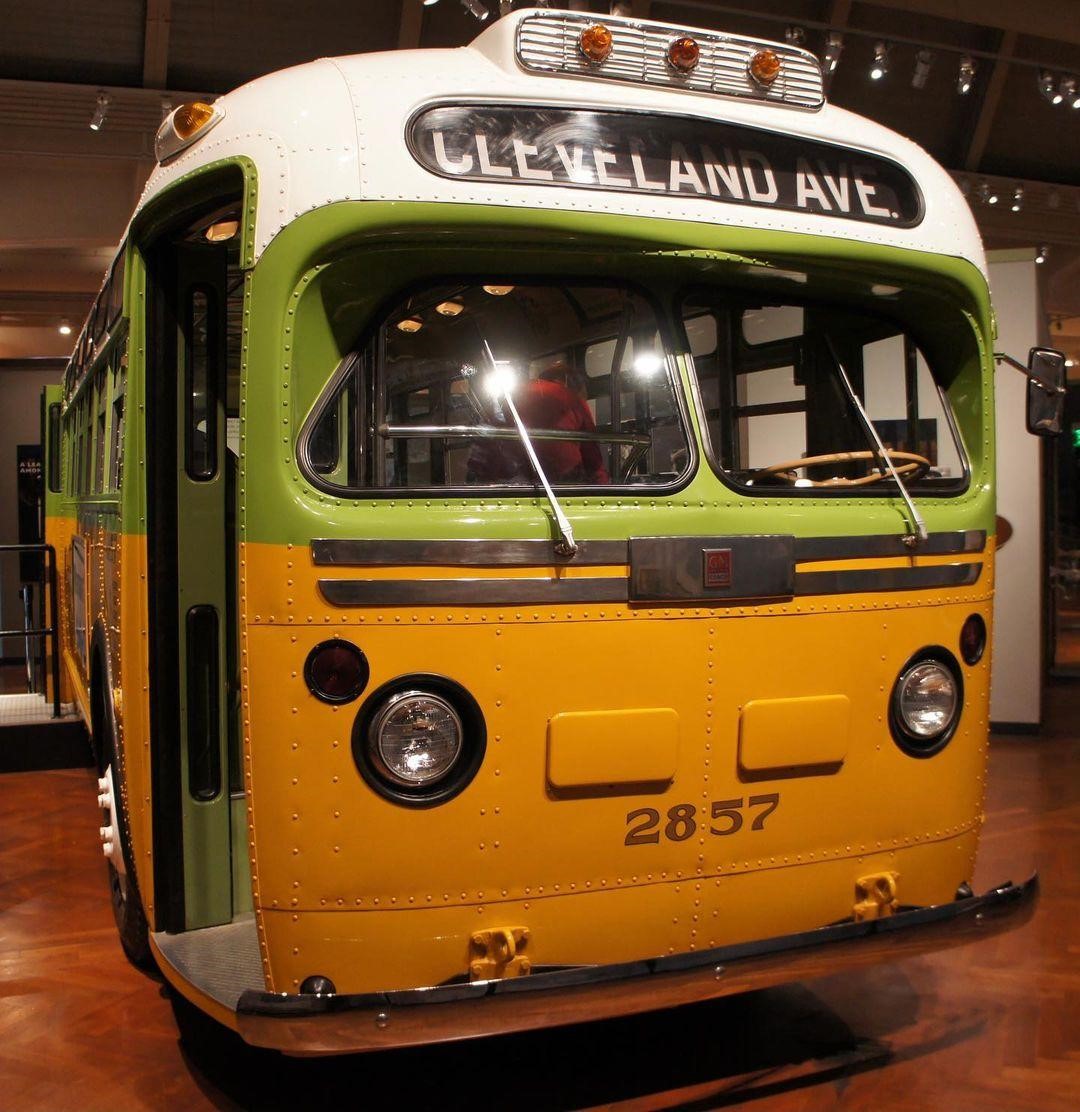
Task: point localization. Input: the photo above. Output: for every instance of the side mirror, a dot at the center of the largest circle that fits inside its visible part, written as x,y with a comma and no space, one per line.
1045,391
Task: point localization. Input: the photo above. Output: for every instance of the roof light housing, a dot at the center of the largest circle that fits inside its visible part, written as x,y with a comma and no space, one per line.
184,125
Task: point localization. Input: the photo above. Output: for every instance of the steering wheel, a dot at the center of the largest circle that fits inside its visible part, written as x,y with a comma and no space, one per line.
910,464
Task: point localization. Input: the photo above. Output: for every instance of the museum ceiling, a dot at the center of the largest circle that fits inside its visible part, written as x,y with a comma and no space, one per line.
67,190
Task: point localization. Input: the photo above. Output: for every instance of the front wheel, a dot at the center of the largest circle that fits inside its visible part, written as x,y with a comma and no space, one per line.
123,888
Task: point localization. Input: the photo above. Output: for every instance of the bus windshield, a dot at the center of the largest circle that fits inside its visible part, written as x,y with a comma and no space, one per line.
421,405
770,378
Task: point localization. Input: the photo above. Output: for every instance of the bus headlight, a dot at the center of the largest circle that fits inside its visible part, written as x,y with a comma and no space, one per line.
926,703
419,740
415,738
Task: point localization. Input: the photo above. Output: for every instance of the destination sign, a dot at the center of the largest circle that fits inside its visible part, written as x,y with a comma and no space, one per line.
662,155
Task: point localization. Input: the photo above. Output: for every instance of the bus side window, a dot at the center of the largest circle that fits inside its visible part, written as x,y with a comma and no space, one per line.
100,407
116,451
201,379
53,448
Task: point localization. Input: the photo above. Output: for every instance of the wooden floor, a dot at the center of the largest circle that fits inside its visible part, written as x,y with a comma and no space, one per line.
993,1026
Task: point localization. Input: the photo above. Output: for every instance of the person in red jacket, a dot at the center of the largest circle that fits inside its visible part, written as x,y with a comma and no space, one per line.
556,400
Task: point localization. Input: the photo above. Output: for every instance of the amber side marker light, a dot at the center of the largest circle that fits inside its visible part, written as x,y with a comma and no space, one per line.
764,67
595,43
683,54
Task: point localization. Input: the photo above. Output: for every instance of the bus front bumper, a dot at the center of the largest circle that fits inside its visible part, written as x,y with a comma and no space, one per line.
340,1024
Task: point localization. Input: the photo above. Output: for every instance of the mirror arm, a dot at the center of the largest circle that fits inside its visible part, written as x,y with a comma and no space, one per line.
1043,383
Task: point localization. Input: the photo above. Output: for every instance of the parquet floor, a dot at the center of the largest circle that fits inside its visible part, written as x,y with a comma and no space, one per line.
993,1026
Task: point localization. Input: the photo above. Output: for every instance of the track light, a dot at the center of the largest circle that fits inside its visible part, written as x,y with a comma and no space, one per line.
1018,198
476,9
65,327
97,120
1040,255
923,61
834,46
965,78
880,65
985,194
794,36
1048,87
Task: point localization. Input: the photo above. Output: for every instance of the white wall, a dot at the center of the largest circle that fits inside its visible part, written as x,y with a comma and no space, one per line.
1016,686
20,423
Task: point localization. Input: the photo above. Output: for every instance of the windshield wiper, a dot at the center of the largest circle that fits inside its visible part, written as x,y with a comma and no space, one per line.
566,545
920,534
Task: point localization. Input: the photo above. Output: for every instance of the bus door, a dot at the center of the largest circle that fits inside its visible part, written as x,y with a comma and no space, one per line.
193,396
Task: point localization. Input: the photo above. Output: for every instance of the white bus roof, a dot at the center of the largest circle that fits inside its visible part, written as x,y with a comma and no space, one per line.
334,130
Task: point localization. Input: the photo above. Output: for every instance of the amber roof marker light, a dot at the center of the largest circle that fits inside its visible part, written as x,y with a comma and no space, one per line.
595,43
184,125
683,54
764,67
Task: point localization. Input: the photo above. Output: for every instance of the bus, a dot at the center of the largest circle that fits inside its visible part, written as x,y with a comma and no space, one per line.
525,517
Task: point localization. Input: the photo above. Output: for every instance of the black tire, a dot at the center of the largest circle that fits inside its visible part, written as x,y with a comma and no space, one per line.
127,908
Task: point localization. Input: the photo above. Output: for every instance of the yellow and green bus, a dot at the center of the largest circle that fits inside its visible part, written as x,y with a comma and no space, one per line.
525,517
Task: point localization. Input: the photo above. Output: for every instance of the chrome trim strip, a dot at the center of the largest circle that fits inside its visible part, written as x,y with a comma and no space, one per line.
872,580
471,552
472,592
888,544
482,552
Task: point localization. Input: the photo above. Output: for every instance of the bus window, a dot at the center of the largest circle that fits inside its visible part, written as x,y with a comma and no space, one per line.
771,382
115,287
116,458
591,380
201,415
101,403
53,430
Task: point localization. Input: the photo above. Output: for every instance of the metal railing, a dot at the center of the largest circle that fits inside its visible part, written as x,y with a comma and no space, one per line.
51,630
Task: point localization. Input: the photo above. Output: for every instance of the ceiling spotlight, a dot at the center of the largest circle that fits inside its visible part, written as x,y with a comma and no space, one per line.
98,118
430,3
834,46
923,61
880,66
1066,91
476,9
65,327
965,77
985,194
1018,198
410,324
1040,255
1048,87
795,36
449,308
